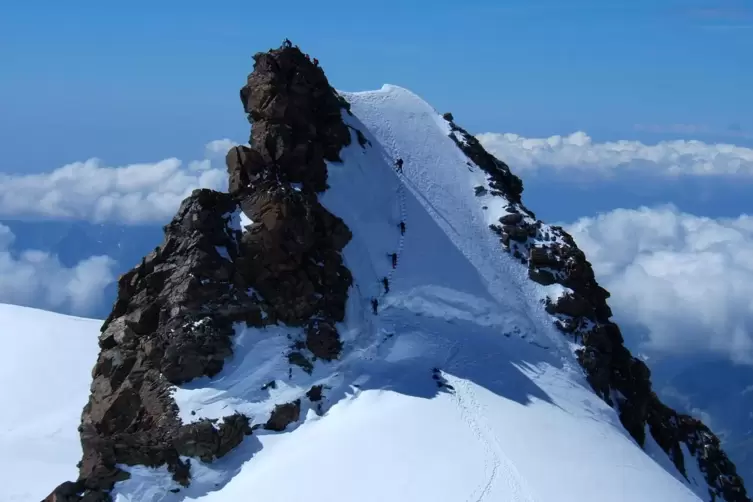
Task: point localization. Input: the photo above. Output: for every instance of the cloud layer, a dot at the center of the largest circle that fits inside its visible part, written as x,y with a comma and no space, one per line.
151,192
38,279
579,151
90,190
686,280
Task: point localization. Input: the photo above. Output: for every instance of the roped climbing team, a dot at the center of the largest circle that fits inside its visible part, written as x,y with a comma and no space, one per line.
392,256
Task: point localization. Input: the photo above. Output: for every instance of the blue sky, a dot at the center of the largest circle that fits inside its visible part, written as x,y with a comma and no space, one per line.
145,80
629,122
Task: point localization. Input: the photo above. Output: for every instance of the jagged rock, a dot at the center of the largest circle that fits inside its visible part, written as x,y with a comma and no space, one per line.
323,340
599,339
284,415
598,371
511,219
67,492
501,180
542,257
199,439
297,121
174,316
207,442
244,164
572,304
612,332
315,393
96,497
543,277
610,366
232,431
292,255
300,360
292,252
517,234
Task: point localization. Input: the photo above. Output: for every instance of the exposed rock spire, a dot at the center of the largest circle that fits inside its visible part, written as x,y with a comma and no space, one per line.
173,320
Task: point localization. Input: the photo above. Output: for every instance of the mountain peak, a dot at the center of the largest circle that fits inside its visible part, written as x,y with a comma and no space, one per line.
297,124
333,273
173,320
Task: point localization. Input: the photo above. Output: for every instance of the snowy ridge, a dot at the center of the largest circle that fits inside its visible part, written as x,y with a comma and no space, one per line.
458,389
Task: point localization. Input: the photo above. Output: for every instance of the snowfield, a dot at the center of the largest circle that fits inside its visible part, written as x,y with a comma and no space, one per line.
459,390
45,375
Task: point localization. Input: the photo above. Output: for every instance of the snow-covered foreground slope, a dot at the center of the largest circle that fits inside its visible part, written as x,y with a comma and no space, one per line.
459,389
45,377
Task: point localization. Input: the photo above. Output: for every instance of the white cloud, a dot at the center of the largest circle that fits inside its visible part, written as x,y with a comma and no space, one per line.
579,151
687,280
220,147
90,190
38,279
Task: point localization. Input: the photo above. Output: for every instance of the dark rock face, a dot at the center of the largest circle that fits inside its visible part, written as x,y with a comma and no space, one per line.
297,123
294,243
175,315
315,393
172,322
208,442
620,379
68,492
322,339
284,415
501,179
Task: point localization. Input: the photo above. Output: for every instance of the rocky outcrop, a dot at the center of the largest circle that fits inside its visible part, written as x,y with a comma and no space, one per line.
172,322
175,315
284,415
622,380
294,243
501,180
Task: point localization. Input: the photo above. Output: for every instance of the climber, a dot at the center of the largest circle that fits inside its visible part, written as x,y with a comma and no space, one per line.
287,43
402,228
316,62
386,283
374,305
307,57
394,260
399,165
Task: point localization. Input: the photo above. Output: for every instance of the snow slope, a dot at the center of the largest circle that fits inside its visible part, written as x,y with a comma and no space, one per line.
45,375
517,423
460,389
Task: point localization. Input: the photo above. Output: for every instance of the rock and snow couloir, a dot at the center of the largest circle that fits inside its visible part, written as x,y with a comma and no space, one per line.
242,359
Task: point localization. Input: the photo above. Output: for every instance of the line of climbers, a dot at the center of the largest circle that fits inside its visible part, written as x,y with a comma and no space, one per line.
392,256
